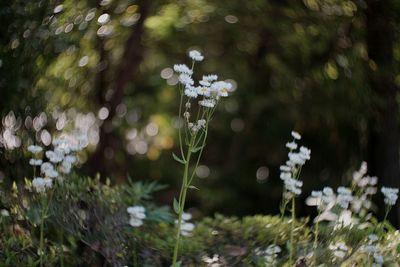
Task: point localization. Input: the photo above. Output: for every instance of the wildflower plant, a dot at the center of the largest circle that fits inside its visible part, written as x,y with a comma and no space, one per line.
290,175
391,195
60,161
198,102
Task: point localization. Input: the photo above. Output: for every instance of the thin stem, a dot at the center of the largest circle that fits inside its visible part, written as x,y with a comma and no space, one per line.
45,207
41,241
316,240
199,156
182,200
292,232
179,128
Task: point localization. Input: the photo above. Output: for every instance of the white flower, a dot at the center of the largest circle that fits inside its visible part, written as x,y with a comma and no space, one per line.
390,194
186,216
137,215
35,162
344,197
291,145
296,135
186,115
212,262
46,166
70,159
196,55
35,149
191,91
285,168
296,158
305,153
286,175
205,83
51,173
41,184
185,79
201,123
293,185
339,249
54,156
187,228
134,222
205,91
317,194
373,237
65,167
210,77
182,68
378,258
273,249
360,173
328,195
208,103
221,88
48,170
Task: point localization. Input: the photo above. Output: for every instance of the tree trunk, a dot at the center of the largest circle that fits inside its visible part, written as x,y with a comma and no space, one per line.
125,72
384,136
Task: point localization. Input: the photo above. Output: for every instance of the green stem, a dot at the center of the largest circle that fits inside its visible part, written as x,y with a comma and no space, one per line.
200,153
182,200
41,241
316,242
292,232
179,129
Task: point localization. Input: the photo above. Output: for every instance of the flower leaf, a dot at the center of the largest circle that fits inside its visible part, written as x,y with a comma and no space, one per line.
193,187
195,149
176,206
178,159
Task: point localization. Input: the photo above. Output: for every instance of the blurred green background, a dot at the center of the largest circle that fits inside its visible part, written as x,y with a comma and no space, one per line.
328,69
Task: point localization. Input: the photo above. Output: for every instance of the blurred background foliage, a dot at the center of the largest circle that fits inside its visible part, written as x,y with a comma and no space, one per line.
326,68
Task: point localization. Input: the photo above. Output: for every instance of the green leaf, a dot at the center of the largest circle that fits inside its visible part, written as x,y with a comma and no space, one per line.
178,159
176,206
193,187
195,149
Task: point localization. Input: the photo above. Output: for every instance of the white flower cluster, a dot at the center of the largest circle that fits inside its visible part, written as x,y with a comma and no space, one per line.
35,149
391,195
137,215
365,187
323,198
292,185
61,159
372,250
344,197
339,249
289,172
209,90
186,227
195,127
270,254
196,55
41,184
